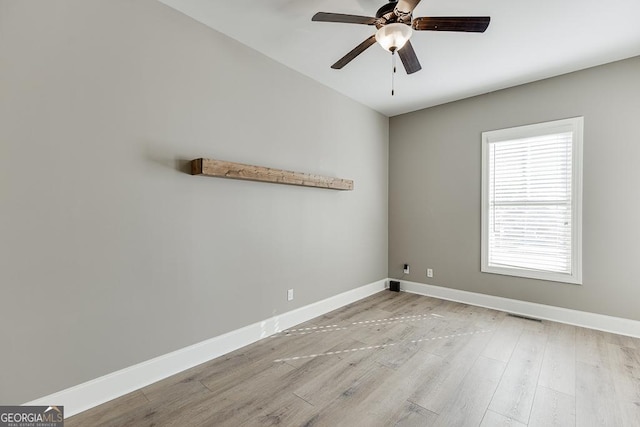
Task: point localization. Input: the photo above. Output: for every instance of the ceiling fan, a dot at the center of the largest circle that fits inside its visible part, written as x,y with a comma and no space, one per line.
394,22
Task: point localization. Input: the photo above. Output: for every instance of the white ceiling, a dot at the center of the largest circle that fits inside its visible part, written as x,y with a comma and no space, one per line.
526,41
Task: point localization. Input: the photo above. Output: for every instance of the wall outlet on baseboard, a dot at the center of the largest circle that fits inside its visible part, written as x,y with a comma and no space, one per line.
429,272
405,269
289,294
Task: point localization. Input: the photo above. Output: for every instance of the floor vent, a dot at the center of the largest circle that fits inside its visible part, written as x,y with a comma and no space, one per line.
524,317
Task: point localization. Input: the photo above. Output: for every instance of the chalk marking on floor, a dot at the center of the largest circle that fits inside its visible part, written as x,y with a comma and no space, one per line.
380,346
334,328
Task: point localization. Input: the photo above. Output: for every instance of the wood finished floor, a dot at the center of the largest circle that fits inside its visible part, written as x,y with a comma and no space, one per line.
401,360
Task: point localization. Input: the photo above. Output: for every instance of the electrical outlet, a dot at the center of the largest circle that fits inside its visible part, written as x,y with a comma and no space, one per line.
429,272
290,295
406,269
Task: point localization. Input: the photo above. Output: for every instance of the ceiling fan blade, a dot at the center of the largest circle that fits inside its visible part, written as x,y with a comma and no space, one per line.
472,24
341,17
355,52
404,9
409,58
406,6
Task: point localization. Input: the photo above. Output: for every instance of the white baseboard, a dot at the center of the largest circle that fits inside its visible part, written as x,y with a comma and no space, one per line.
584,319
108,387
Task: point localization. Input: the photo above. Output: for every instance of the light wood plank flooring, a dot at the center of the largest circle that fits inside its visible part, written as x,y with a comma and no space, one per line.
398,359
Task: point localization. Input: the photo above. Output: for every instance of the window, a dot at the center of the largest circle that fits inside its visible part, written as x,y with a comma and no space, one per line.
532,201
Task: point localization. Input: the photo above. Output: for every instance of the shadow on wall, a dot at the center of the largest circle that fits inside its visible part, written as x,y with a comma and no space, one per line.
165,157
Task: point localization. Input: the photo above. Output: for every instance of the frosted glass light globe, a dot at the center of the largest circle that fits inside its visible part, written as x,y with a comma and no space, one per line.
393,36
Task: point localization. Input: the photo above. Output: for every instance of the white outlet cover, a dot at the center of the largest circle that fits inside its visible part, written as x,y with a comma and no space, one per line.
289,294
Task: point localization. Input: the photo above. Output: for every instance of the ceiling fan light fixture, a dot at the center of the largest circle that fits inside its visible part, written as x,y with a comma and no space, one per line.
394,36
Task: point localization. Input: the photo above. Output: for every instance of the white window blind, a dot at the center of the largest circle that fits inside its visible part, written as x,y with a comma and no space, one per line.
531,201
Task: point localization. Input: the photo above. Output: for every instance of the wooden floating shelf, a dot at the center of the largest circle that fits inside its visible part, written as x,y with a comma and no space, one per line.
223,169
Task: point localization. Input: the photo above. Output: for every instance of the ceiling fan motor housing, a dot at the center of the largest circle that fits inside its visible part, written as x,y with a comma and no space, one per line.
386,9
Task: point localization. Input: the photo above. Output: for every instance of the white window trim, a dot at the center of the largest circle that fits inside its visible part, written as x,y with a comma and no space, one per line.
576,126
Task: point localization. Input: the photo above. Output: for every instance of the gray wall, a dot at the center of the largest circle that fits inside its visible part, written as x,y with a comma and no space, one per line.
110,254
434,188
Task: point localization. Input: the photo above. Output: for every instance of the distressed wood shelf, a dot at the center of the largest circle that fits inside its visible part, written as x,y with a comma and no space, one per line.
224,169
